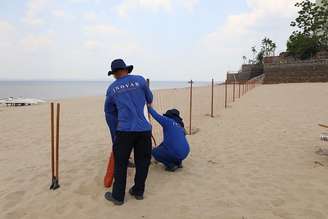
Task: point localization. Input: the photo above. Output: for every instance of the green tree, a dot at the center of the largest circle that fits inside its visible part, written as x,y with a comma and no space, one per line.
259,57
268,47
245,59
302,46
311,35
254,51
323,13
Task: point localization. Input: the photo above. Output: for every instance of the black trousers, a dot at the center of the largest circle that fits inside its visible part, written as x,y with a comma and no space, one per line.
140,142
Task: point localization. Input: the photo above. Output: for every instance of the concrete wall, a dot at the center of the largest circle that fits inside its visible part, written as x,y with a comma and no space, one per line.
312,71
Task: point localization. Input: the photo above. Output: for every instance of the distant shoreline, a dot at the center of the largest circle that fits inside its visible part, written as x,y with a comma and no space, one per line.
48,90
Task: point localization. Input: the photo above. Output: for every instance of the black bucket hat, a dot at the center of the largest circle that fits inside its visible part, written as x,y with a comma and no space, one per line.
175,115
119,64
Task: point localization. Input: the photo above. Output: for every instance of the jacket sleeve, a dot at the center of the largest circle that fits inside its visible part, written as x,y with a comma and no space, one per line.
159,118
111,116
148,93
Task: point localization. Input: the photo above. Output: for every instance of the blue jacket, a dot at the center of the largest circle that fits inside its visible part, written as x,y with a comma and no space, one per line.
125,102
174,135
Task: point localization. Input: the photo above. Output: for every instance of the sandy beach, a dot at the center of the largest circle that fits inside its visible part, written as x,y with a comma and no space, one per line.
254,160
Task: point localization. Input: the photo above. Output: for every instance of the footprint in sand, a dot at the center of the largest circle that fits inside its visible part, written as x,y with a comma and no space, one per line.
18,213
226,204
79,204
13,198
85,189
313,214
92,188
278,202
282,213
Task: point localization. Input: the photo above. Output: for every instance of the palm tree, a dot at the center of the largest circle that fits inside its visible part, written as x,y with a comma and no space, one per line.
245,59
268,47
254,52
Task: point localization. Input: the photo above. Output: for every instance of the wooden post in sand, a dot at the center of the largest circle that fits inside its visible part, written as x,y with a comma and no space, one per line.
190,107
54,146
239,89
243,88
52,129
149,117
212,99
234,91
226,94
57,140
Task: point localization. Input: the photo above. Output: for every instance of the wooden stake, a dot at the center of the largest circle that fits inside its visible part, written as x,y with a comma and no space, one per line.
243,88
57,139
212,99
54,146
234,91
148,82
323,126
52,128
226,94
239,89
190,107
149,117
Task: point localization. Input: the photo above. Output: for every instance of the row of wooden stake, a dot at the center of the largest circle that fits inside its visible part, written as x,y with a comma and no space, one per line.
243,88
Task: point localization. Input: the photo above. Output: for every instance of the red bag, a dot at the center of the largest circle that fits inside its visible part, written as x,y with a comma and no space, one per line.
108,179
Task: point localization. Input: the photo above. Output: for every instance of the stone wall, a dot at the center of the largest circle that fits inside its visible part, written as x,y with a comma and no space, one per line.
286,69
247,72
298,72
231,77
250,71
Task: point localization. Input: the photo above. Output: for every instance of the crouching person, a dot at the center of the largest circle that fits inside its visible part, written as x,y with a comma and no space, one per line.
174,148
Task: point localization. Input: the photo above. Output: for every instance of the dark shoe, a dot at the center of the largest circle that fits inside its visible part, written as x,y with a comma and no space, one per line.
171,169
138,197
179,164
109,197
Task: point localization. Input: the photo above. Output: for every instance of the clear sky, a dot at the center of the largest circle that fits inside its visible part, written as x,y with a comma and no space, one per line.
163,39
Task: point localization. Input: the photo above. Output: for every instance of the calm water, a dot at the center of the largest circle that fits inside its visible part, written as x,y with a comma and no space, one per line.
69,89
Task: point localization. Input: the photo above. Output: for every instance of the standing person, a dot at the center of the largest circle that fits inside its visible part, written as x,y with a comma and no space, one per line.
174,148
126,100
